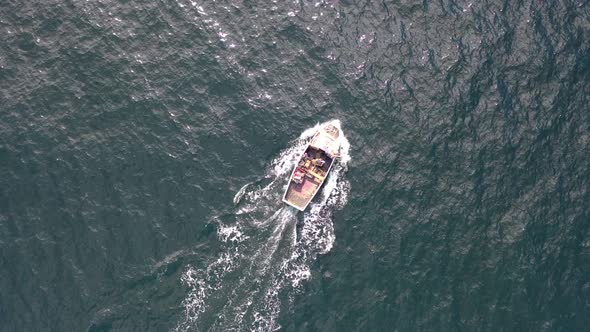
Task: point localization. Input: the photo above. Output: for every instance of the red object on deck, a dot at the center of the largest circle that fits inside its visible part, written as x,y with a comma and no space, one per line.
298,175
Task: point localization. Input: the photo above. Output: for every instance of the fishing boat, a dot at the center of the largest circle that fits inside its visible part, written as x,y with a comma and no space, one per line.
313,167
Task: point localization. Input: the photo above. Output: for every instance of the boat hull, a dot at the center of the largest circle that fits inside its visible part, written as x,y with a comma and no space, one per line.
312,169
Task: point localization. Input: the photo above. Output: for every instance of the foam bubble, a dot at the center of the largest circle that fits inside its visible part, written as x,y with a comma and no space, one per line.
241,193
230,233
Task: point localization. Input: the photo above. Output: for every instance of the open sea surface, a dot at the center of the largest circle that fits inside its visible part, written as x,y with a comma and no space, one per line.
145,147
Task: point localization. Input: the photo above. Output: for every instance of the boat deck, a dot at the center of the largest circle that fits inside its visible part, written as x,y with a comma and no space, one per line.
300,194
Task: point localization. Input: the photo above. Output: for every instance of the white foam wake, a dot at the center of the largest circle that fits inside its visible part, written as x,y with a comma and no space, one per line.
262,257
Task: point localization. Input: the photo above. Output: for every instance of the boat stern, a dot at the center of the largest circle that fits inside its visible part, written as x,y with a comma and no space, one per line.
293,205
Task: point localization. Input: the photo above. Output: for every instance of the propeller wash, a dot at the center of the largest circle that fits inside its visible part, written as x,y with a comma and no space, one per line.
265,255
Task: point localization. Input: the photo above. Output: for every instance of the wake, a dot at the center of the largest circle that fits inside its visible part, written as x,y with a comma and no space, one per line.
264,258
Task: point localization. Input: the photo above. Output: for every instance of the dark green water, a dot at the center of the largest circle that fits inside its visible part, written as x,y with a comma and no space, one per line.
145,145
